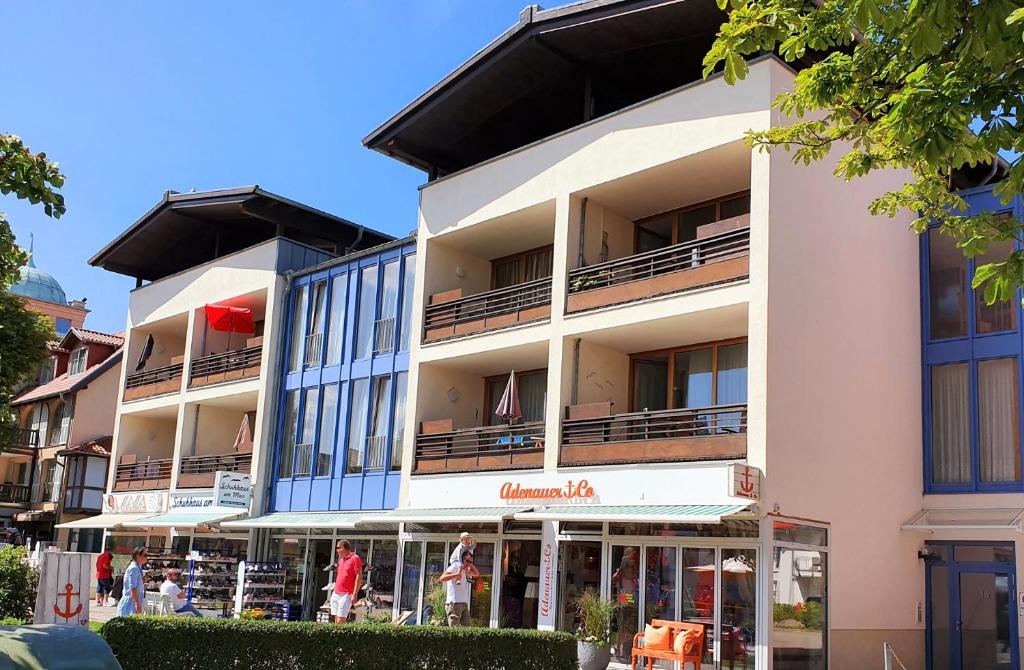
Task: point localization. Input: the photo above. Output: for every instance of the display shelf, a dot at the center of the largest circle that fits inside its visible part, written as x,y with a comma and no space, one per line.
257,582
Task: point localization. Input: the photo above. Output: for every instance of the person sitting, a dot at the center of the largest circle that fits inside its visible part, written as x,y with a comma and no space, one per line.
170,588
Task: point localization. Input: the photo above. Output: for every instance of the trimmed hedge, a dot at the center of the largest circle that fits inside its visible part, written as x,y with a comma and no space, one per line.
191,643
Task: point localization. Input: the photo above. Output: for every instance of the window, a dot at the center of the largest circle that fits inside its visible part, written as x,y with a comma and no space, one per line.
47,369
365,315
947,277
681,225
291,429
800,594
298,334
50,486
86,483
315,336
950,424
702,376
61,424
357,424
336,323
376,443
385,326
533,390
62,326
398,421
77,361
408,283
521,268
328,427
1001,315
998,420
304,449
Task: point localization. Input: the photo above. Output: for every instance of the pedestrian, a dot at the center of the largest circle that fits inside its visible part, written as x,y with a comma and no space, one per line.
348,580
458,588
104,576
133,596
170,588
466,543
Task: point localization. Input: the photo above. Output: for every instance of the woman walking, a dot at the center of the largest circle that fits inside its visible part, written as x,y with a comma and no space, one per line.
133,596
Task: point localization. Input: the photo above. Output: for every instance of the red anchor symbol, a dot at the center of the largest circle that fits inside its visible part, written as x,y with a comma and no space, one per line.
747,484
67,613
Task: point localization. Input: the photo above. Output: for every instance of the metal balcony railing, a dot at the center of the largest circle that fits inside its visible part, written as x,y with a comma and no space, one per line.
376,452
488,305
657,425
314,346
384,337
684,256
229,361
154,469
199,465
166,373
472,448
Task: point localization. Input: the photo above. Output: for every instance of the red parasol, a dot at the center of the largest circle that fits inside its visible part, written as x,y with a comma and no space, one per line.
226,318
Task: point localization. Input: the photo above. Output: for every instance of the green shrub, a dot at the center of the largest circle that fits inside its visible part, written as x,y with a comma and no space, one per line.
17,584
13,621
782,612
810,615
190,643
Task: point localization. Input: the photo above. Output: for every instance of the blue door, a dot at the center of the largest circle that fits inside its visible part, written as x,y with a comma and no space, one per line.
972,613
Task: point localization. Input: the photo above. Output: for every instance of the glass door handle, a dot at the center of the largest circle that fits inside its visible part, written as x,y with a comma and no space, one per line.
958,625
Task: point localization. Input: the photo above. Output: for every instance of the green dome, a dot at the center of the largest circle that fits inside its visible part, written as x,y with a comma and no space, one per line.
34,283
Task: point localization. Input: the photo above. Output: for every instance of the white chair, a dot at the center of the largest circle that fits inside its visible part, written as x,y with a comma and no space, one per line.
159,605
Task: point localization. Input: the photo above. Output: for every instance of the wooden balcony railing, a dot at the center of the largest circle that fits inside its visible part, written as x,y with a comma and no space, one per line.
18,440
14,493
225,367
198,471
686,434
152,474
487,448
488,311
158,381
680,267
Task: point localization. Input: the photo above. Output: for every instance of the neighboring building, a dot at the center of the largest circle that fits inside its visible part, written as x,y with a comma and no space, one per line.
59,465
340,419
202,340
43,294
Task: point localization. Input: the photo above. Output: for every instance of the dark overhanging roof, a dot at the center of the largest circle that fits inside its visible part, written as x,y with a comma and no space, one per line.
185,230
551,71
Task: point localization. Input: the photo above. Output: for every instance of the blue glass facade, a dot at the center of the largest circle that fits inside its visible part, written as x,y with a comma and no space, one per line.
972,374
345,376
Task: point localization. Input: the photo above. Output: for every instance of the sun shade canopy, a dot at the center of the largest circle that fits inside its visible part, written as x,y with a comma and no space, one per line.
107,521
453,514
187,519
934,520
344,520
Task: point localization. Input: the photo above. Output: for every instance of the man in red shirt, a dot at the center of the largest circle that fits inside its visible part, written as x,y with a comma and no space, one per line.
348,581
104,575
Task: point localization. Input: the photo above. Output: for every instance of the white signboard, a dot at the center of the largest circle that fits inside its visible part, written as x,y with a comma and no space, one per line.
63,595
547,586
191,501
134,503
232,490
744,481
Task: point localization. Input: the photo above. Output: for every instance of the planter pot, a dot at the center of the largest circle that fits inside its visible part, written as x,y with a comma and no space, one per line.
593,656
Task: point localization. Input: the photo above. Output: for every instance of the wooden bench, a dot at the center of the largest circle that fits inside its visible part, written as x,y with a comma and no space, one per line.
692,651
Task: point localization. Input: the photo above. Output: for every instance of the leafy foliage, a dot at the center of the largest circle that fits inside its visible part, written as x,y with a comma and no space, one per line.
18,584
190,643
900,86
595,616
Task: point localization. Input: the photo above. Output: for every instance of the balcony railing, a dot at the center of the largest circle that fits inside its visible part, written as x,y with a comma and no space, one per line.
314,345
384,338
684,434
376,452
166,379
487,448
14,493
303,459
704,262
19,439
152,474
228,366
198,471
488,311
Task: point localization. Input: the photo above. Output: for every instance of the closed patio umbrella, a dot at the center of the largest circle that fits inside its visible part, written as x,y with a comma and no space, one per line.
243,442
508,407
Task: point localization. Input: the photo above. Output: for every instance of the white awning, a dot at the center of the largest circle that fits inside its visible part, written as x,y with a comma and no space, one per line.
452,514
187,519
343,520
634,513
106,521
933,520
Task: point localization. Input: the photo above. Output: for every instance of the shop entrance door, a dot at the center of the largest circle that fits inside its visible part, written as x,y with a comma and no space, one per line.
319,557
579,569
972,613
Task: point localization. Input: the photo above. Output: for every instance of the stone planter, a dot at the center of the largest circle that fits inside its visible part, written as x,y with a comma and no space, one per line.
593,656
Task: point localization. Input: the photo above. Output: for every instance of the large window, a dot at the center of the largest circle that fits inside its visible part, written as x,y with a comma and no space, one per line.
701,376
377,442
357,424
521,268
683,225
336,322
304,448
77,361
800,595
384,338
328,427
86,482
366,311
408,282
398,421
298,335
291,429
61,424
317,315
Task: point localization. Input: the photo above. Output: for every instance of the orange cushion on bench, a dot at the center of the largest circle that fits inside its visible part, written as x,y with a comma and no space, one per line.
656,638
682,637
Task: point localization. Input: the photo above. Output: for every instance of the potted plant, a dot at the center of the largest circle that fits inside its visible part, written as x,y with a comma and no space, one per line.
594,633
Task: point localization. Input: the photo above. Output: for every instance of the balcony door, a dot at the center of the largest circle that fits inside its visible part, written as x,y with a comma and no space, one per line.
521,268
532,387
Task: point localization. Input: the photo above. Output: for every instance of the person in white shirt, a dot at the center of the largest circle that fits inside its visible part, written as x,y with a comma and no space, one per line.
459,589
170,588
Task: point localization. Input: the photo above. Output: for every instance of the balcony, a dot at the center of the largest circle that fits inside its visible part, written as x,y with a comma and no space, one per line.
14,493
226,367
20,440
714,259
158,381
132,474
198,471
593,436
450,315
439,448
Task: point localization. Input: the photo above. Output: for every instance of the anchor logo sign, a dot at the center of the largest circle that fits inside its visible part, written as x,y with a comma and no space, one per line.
67,613
746,482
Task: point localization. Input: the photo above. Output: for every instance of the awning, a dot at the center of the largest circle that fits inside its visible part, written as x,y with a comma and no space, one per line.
105,521
345,520
628,513
453,514
932,520
187,519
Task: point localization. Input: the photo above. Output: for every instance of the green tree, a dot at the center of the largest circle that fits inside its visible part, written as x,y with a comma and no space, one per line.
899,84
23,333
18,584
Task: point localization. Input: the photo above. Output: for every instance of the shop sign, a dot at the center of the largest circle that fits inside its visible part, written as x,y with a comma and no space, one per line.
134,503
744,481
572,492
190,501
548,582
232,490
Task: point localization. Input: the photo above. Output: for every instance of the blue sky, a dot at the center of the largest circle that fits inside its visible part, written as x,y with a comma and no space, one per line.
133,98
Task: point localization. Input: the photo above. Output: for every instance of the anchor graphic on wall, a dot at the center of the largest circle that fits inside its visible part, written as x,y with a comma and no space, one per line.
747,485
68,592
